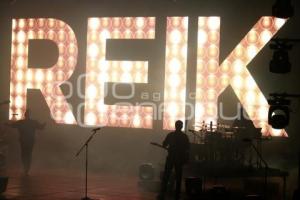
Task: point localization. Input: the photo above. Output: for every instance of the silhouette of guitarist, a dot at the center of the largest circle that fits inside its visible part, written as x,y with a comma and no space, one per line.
177,144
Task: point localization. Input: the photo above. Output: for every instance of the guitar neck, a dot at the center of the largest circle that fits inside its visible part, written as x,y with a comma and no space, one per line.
158,145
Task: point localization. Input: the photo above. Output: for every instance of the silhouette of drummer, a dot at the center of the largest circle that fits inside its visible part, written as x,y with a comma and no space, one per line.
27,128
178,147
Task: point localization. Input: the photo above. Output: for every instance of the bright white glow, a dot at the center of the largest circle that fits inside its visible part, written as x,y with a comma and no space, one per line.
91,91
106,34
49,76
238,66
19,88
265,36
20,62
94,23
21,36
126,66
68,118
176,36
91,119
250,83
279,22
39,76
19,102
276,132
140,22
213,23
137,121
200,111
202,37
126,78
175,65
29,75
252,51
19,75
174,80
250,97
172,109
237,81
263,113
93,50
20,50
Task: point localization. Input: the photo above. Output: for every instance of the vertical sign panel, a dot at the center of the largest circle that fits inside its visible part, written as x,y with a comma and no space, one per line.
175,71
46,80
212,80
100,71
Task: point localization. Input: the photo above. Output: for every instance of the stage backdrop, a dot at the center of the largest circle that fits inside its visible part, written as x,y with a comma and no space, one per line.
135,67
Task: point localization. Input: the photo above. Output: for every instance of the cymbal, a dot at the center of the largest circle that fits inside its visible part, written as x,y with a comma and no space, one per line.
238,127
214,125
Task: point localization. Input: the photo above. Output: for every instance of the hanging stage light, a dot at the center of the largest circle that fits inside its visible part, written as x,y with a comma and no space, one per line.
283,9
279,113
280,63
278,116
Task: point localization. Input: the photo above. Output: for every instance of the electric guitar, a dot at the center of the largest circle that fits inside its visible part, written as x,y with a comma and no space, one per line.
186,156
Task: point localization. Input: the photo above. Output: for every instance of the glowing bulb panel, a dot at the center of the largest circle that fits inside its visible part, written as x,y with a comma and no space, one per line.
175,71
100,71
212,80
45,80
207,69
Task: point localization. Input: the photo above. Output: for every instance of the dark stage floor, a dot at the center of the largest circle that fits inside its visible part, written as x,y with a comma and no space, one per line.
68,185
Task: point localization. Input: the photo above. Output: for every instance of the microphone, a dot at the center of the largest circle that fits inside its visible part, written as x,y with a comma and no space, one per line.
96,129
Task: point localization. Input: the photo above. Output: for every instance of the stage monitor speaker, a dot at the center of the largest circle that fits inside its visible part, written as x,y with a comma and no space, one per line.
146,171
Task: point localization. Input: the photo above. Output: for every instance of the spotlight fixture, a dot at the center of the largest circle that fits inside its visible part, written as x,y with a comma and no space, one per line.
279,113
280,63
283,9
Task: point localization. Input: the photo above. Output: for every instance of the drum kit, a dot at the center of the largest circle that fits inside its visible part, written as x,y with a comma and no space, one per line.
204,132
222,142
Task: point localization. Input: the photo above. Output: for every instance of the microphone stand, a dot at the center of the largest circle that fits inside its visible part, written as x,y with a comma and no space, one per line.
86,147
